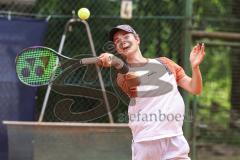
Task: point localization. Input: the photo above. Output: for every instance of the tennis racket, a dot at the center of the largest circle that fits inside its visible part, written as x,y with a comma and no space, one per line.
39,65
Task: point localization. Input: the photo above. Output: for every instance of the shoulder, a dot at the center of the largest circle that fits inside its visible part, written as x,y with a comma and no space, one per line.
176,69
167,61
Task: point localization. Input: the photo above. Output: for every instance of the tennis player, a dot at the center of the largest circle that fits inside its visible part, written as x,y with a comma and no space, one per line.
156,109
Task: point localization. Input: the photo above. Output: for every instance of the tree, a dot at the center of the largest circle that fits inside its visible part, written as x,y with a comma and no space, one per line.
235,88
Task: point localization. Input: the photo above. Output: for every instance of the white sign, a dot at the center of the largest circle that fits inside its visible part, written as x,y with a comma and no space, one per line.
126,9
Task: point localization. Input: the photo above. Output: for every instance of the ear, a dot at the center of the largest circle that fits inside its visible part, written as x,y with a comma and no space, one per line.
137,38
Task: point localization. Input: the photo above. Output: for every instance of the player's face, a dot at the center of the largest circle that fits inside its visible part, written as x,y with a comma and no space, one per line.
126,43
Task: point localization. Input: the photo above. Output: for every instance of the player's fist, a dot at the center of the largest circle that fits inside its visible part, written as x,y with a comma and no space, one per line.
109,60
128,83
105,59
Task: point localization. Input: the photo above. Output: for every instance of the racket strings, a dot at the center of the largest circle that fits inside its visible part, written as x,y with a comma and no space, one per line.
37,66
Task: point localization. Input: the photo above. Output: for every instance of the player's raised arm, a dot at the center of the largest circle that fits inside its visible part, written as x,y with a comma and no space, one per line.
194,84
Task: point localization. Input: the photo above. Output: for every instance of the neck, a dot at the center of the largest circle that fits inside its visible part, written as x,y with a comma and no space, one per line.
136,58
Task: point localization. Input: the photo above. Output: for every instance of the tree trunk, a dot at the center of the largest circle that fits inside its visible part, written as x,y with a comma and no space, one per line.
235,89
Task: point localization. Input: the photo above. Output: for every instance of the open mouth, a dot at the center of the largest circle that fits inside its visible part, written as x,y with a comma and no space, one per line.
126,46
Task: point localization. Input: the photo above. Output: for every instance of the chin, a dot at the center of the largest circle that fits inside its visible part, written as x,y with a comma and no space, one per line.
128,53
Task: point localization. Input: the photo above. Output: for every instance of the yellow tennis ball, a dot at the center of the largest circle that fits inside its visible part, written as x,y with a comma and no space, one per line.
83,13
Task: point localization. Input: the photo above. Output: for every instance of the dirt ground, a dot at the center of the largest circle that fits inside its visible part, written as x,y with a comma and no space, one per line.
218,152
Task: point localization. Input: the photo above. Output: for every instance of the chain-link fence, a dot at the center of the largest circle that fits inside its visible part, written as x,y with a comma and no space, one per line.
215,125
160,25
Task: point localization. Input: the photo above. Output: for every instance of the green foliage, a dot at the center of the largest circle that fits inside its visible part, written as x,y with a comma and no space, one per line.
216,88
216,77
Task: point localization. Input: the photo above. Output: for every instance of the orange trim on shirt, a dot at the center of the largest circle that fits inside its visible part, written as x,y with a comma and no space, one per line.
177,70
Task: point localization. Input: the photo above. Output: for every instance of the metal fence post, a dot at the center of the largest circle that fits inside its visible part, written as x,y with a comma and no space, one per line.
187,48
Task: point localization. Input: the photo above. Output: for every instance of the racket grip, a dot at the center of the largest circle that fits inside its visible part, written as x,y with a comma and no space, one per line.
91,60
120,65
124,69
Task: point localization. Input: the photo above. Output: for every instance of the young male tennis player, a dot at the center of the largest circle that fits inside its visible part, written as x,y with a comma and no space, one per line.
156,109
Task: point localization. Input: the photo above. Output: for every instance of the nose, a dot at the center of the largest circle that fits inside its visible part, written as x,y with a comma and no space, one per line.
123,44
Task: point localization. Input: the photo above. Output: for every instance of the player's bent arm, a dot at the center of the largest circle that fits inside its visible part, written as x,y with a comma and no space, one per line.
192,84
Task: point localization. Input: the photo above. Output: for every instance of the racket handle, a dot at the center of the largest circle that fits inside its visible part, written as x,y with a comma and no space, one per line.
91,60
122,67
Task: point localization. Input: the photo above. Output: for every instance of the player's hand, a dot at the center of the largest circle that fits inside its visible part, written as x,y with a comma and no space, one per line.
105,59
197,55
128,83
109,60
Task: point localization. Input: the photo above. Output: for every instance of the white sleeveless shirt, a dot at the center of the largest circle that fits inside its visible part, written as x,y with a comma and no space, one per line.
158,110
